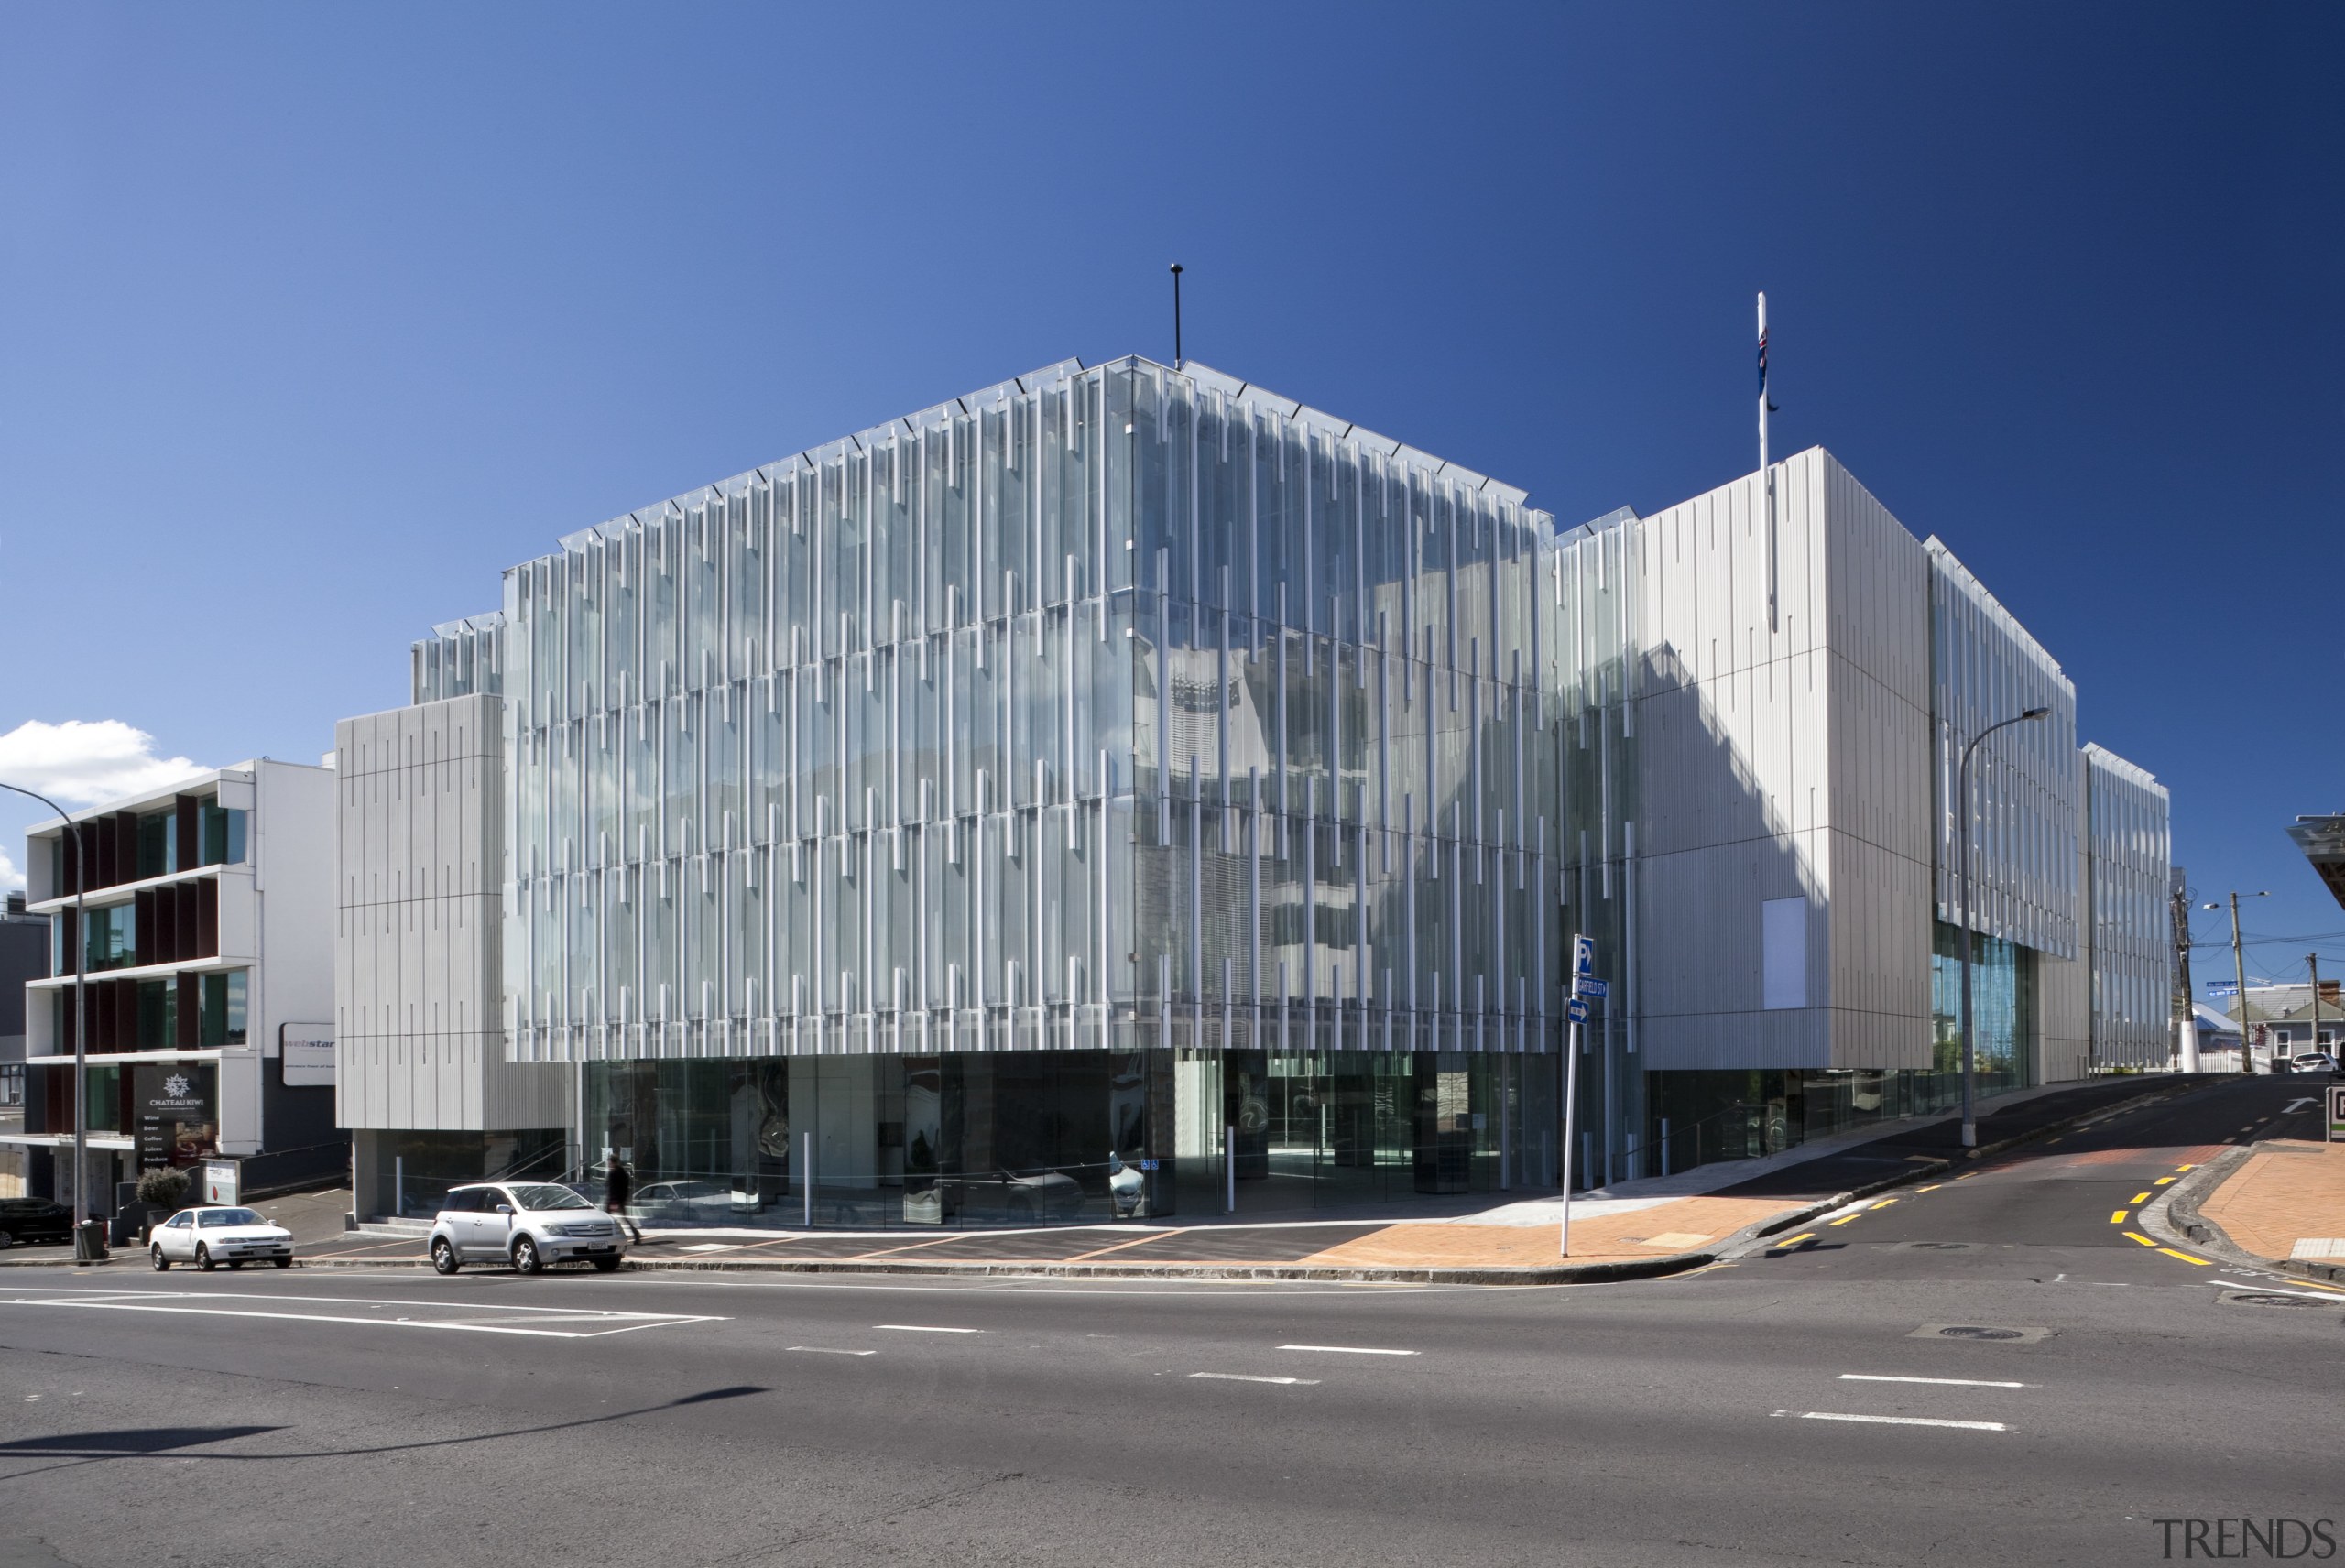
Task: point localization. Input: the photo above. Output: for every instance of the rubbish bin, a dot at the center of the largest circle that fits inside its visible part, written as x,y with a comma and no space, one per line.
89,1242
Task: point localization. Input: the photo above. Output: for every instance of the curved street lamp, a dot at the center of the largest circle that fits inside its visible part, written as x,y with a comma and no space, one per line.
84,1251
1962,773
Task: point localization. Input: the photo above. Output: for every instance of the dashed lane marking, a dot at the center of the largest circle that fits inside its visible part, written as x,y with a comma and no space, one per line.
1949,1382
1900,1421
2163,1182
828,1350
2137,1236
1347,1350
1252,1378
2118,1217
503,1318
2202,1262
925,1328
2141,1197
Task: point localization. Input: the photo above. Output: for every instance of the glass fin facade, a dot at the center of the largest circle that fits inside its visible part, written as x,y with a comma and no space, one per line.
1111,708
1126,774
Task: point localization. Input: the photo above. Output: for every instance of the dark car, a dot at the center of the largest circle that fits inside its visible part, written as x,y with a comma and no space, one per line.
1018,1197
27,1220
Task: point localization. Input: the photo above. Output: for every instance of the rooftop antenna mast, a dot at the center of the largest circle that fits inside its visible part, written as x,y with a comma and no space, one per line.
1766,474
1176,315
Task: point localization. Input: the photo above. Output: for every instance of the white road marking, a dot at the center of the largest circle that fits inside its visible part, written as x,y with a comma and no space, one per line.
2295,1105
826,1350
1904,1421
168,1301
1950,1382
1250,1378
1347,1350
925,1328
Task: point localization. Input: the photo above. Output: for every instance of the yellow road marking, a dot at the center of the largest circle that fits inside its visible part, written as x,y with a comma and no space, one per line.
1844,1219
2182,1168
2162,1181
1931,1188
2137,1236
1885,1202
1794,1241
2118,1217
2141,1197
2202,1262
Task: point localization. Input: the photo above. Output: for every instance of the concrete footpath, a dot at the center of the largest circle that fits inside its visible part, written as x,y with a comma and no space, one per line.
1631,1231
2277,1203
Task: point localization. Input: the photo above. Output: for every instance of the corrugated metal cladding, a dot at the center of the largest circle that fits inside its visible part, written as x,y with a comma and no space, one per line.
418,1040
1807,756
2025,781
2126,830
1107,707
1785,761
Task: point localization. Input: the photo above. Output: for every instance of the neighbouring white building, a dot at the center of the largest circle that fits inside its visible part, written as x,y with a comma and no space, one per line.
208,938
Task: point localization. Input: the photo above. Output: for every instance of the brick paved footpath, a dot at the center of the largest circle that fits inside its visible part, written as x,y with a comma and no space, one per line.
2288,1190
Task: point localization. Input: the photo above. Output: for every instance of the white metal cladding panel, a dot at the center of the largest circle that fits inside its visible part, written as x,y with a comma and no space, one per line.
1735,738
1879,958
2127,855
2062,987
1878,605
2026,781
420,923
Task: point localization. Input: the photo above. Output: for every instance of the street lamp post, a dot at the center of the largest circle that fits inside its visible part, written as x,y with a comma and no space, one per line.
83,1249
2239,973
1962,775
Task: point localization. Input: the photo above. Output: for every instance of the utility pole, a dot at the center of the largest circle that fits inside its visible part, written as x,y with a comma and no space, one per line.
2186,999
2239,969
87,1244
2313,959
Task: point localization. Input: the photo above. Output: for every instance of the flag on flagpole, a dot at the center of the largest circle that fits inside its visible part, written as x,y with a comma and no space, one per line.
1762,360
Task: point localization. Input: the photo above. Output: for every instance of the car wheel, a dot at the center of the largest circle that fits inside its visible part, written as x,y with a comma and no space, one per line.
202,1256
155,1255
443,1257
525,1260
282,1262
7,1240
604,1265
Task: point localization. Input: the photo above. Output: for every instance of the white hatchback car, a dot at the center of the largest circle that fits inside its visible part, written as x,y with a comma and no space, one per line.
525,1224
212,1235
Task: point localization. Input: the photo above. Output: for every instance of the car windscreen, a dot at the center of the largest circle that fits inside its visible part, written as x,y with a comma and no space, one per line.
549,1197
214,1219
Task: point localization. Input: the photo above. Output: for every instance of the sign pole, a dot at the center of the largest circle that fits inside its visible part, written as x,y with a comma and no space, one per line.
1564,1168
1584,985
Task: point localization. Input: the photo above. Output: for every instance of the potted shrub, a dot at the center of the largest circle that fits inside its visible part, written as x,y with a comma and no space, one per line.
162,1193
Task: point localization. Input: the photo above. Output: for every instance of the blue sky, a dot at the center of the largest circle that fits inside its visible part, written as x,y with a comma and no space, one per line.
313,319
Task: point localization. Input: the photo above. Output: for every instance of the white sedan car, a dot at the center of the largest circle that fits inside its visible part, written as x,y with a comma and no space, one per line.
209,1237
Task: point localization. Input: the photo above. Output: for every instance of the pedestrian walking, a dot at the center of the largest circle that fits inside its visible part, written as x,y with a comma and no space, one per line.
618,1185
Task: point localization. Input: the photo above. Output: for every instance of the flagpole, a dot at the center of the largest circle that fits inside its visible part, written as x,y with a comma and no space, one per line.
1766,474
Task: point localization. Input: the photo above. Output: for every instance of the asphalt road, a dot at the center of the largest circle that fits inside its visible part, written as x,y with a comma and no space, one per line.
397,1418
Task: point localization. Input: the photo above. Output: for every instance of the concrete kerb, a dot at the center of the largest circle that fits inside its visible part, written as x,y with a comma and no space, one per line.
2172,1218
1609,1272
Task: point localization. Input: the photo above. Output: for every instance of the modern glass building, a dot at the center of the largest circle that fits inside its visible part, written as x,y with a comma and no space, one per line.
1124,791
1118,768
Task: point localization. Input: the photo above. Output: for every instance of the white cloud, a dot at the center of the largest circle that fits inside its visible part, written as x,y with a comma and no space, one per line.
87,762
11,879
